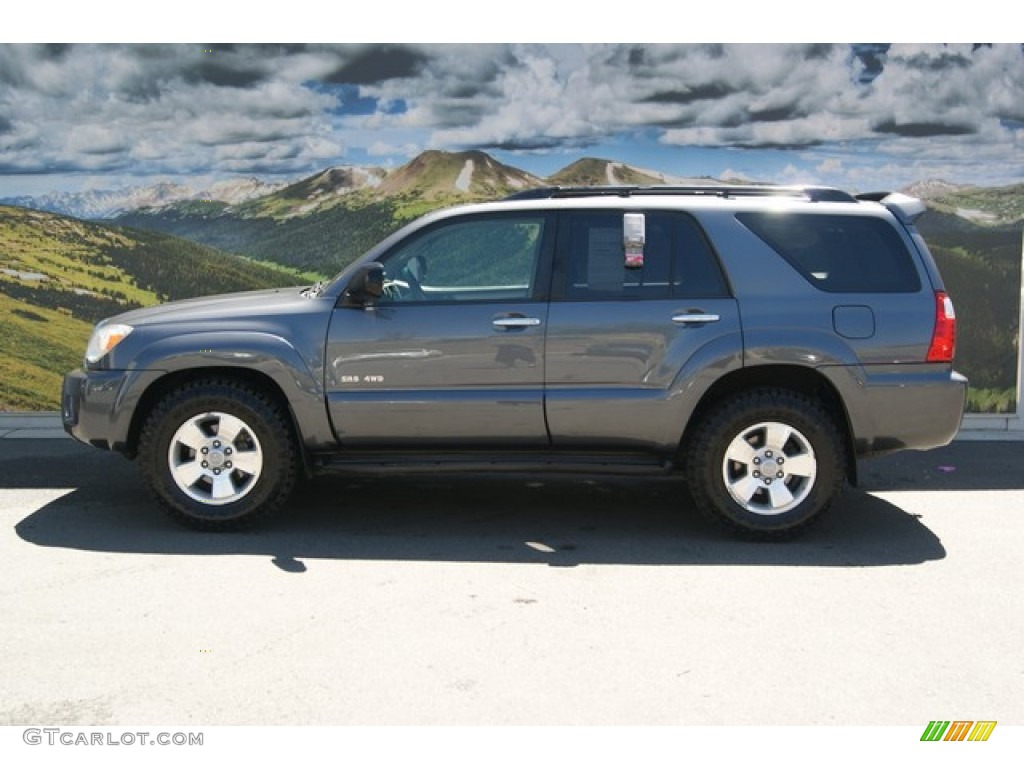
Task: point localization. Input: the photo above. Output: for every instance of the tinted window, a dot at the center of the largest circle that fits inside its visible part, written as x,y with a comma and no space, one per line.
477,259
678,263
840,254
696,271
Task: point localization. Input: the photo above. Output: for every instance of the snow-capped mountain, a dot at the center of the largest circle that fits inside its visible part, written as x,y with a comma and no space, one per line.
108,203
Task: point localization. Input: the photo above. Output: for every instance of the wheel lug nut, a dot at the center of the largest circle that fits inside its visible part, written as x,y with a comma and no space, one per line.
767,481
206,464
227,451
756,473
780,460
204,451
228,465
768,454
780,475
757,460
216,443
216,471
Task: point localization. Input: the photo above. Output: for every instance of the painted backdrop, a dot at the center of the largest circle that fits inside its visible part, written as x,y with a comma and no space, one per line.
136,174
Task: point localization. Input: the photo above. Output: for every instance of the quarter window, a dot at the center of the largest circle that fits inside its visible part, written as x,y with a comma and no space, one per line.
839,254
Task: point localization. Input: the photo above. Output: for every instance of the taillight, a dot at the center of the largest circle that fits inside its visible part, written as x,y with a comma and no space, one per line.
944,336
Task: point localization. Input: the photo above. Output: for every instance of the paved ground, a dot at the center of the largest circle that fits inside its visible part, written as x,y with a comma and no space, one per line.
511,600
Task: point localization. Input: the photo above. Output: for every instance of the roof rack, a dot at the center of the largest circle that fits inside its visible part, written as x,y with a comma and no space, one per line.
814,194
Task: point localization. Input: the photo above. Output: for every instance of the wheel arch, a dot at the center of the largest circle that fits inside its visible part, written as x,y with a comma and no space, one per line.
799,379
167,383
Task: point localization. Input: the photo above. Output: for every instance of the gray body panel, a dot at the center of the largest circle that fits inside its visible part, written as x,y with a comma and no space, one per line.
277,334
437,375
628,375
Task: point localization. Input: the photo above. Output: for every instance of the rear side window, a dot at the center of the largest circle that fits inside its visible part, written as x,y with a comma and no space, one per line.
678,263
839,254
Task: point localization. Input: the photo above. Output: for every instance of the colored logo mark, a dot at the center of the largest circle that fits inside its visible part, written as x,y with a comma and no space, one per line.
958,730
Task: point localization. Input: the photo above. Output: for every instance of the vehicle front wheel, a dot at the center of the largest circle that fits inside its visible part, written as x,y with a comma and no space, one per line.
218,454
766,463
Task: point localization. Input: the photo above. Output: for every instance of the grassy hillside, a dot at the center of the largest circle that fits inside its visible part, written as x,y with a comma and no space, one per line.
37,345
318,244
59,276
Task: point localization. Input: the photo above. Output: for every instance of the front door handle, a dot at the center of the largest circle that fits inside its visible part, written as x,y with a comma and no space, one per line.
696,317
510,323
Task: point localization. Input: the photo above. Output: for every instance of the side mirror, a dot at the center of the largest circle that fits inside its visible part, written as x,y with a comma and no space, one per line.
365,287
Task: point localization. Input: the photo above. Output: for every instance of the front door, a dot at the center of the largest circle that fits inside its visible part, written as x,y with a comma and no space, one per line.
453,353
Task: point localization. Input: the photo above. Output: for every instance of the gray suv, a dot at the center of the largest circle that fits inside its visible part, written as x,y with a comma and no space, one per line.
757,339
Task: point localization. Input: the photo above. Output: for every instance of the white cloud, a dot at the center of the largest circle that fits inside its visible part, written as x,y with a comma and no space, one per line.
175,109
383,149
830,165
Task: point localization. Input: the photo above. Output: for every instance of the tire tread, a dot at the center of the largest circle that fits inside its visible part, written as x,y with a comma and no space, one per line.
702,465
153,464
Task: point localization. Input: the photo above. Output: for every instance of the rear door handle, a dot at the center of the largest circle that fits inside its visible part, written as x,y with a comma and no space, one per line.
510,323
697,317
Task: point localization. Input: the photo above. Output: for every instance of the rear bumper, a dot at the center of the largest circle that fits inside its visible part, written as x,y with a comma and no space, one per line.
894,408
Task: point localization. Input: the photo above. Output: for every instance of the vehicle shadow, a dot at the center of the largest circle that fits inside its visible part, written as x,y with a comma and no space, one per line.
960,466
553,520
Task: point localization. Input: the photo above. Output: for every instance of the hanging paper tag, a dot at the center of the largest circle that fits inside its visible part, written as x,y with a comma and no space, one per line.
633,239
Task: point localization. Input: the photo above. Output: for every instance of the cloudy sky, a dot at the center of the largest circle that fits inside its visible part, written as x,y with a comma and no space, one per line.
102,116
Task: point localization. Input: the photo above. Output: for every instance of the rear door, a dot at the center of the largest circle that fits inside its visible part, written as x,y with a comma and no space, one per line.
623,342
453,353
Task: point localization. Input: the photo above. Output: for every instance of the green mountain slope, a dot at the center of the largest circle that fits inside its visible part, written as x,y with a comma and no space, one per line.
319,243
58,276
316,193
448,177
327,220
593,171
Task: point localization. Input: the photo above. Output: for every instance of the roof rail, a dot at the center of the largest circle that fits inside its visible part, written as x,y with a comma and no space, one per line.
814,194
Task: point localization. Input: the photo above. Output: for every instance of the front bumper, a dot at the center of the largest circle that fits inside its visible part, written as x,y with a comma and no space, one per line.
90,408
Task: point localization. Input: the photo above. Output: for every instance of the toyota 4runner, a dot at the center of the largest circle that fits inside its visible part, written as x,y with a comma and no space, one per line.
757,339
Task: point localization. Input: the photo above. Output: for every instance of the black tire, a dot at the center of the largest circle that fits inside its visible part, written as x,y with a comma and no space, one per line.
763,429
212,481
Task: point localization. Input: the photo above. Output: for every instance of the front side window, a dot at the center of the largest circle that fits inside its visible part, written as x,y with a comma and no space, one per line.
474,259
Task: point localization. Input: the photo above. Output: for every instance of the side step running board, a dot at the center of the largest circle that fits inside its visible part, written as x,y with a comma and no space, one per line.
383,462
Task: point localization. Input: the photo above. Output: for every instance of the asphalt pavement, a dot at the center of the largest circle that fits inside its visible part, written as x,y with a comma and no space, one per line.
511,600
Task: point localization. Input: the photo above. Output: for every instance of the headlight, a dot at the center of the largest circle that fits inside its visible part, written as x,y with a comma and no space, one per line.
104,338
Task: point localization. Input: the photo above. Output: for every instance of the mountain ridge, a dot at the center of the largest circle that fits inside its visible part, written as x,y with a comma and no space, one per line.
437,177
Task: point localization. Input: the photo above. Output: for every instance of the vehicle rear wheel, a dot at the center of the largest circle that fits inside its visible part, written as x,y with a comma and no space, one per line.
218,454
766,463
